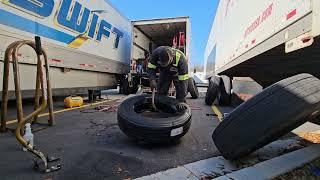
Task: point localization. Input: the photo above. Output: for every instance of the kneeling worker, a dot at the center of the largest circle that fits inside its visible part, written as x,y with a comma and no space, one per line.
173,66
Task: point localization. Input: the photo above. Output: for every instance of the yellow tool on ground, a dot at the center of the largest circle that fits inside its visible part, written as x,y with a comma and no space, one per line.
73,101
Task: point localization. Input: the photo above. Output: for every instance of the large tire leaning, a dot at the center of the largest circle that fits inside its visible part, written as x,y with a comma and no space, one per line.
193,89
269,115
225,91
212,91
152,130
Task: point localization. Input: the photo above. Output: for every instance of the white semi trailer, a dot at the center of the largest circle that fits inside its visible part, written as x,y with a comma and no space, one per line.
257,43
149,34
90,45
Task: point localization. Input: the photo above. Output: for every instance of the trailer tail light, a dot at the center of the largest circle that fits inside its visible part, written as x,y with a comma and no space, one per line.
306,39
300,42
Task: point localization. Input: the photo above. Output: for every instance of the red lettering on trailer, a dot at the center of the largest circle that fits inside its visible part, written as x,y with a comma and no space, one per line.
259,20
56,60
87,65
291,14
253,41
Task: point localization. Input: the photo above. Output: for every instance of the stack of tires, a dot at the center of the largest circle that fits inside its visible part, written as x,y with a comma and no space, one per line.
192,88
219,89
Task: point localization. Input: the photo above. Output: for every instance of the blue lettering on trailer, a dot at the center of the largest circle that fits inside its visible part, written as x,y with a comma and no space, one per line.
42,8
93,26
70,15
119,35
104,30
72,22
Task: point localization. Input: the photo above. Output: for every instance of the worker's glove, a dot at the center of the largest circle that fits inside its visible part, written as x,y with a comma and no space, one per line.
153,85
182,106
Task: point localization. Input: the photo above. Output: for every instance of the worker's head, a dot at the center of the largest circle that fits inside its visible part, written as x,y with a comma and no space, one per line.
165,56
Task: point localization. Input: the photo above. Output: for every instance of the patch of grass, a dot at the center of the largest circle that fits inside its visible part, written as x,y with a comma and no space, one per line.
302,173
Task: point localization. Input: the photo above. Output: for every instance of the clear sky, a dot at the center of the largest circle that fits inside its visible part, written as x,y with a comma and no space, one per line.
201,14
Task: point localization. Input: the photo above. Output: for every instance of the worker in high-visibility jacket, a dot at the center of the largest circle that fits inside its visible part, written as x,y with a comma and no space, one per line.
173,66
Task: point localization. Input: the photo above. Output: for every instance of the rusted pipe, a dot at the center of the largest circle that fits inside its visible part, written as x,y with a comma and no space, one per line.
5,87
42,82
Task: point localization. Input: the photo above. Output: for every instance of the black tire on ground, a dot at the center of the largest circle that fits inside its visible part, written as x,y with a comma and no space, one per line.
212,91
126,89
192,88
225,91
153,130
269,115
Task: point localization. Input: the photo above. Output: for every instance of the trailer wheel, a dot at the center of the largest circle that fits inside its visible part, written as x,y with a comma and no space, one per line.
136,125
126,89
212,91
192,88
269,115
224,97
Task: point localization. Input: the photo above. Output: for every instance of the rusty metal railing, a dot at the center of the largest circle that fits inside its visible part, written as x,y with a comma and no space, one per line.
43,91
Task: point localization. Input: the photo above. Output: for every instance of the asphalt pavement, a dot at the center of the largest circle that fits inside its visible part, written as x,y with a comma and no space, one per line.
92,146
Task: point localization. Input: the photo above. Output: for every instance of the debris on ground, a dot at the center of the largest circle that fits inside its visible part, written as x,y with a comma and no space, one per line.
315,171
99,128
195,107
125,175
209,177
313,137
107,108
211,115
102,108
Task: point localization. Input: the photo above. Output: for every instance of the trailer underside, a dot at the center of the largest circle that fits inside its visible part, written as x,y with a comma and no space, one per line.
277,65
268,62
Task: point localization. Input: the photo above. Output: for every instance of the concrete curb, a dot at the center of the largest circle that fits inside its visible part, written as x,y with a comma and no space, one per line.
274,164
274,167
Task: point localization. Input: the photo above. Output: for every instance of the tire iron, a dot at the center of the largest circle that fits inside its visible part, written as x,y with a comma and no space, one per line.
153,97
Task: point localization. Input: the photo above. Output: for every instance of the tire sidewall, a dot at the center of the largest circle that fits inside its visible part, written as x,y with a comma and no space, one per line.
155,130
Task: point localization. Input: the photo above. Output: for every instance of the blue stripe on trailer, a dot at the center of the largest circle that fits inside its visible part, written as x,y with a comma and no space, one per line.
21,23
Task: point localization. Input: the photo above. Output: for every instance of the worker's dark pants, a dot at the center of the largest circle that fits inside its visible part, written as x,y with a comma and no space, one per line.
164,83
